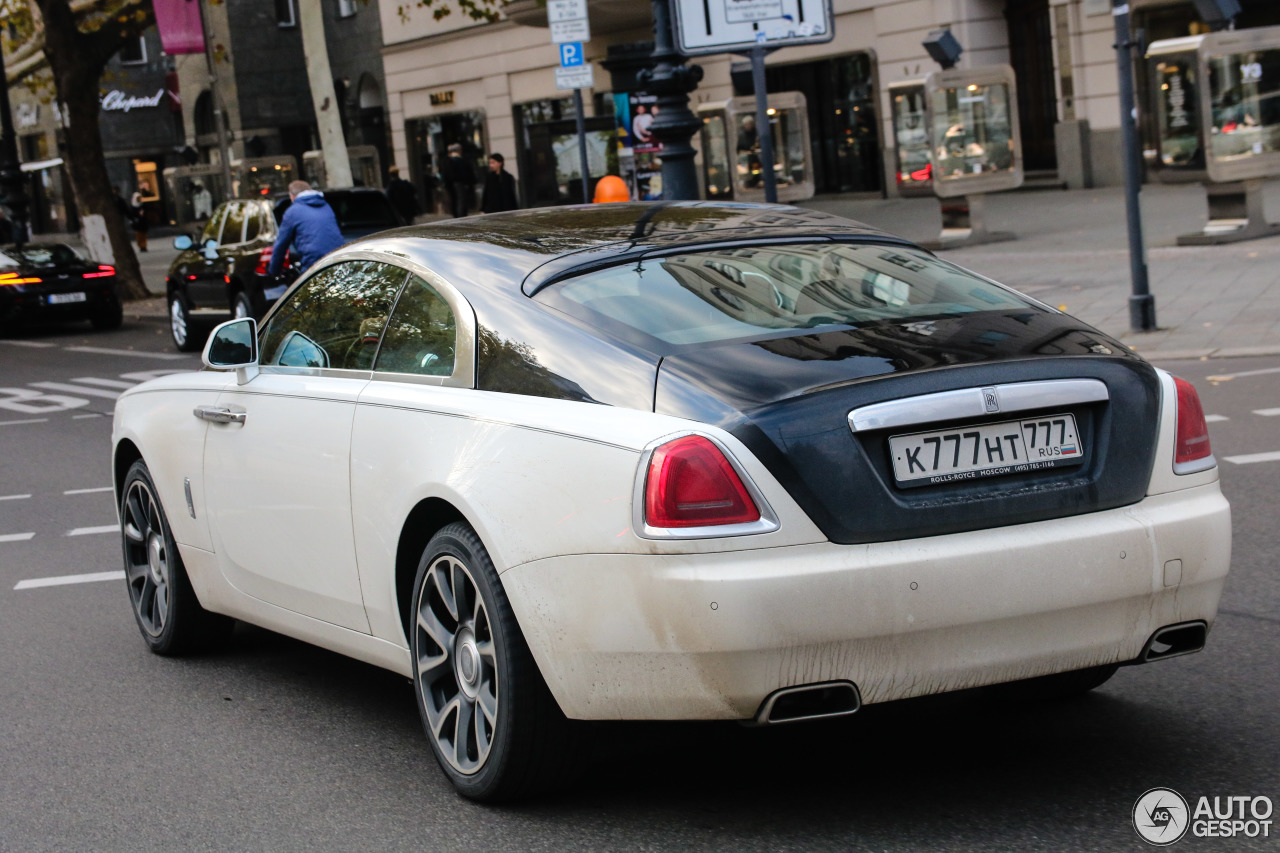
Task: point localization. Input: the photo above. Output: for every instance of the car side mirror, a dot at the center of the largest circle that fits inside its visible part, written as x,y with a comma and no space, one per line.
234,346
183,242
210,252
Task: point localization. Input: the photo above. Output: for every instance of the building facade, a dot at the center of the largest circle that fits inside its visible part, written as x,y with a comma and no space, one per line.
490,86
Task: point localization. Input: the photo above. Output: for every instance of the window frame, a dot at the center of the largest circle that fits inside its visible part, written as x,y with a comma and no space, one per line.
292,6
465,347
142,50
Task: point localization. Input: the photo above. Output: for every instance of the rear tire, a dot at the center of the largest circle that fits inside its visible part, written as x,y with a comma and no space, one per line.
242,306
108,317
165,606
492,723
1060,685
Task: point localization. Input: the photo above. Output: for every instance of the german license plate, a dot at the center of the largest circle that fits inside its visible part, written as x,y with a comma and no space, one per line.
63,298
988,450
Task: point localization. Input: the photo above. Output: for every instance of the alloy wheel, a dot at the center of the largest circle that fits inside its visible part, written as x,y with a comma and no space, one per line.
147,558
178,322
457,664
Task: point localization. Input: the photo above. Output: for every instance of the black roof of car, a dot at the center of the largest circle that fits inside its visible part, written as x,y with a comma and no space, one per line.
542,245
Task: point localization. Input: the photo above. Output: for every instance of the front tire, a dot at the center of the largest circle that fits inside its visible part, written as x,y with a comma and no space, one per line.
492,723
180,329
165,606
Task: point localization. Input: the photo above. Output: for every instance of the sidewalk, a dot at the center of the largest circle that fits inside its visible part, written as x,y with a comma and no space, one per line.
1072,253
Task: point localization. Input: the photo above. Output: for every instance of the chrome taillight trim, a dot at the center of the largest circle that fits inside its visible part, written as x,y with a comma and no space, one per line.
767,523
966,403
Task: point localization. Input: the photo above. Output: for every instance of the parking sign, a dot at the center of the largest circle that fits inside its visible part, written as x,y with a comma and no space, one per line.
571,54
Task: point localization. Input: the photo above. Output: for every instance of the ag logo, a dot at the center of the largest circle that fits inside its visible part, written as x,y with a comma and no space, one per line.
1161,816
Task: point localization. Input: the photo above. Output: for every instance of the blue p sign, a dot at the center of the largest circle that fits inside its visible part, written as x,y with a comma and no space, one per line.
570,54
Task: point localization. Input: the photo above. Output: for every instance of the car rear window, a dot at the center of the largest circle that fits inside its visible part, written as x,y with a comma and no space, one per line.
362,210
727,294
39,255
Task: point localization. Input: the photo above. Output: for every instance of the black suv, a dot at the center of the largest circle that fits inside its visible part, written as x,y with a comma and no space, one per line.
224,273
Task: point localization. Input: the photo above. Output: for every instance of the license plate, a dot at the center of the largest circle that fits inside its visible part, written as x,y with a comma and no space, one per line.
988,450
63,298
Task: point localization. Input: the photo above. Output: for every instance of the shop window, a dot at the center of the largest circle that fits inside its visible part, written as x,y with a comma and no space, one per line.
146,180
134,52
285,13
346,8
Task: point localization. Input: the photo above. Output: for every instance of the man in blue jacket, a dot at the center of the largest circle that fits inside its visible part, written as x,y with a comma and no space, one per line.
308,225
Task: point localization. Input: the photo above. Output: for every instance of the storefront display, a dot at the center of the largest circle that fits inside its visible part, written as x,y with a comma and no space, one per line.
912,165
974,132
1242,96
1173,70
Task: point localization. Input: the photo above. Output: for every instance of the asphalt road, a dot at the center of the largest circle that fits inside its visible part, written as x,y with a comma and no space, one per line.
274,745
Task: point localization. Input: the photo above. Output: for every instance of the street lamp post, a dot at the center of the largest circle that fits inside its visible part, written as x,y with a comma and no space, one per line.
1142,304
11,181
672,81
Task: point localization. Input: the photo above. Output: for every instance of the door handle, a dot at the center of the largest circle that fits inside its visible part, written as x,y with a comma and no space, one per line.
218,415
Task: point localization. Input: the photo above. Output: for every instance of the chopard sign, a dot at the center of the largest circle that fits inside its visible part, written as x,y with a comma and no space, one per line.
117,101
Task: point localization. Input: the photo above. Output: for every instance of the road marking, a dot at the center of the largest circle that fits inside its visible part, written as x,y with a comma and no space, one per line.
1213,419
14,497
82,417
15,537
167,356
1250,458
1267,413
27,344
89,531
32,421
87,491
1228,376
78,389
105,383
65,580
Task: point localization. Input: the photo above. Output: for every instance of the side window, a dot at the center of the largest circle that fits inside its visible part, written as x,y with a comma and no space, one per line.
213,227
235,224
253,224
335,319
420,337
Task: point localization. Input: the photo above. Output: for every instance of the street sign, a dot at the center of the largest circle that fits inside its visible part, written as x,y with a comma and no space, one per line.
568,21
737,26
571,54
575,77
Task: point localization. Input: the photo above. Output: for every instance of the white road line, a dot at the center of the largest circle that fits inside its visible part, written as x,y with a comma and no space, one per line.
1213,419
89,531
1267,413
82,417
1250,458
1227,376
15,537
105,383
32,421
76,389
27,344
167,356
65,580
14,497
87,491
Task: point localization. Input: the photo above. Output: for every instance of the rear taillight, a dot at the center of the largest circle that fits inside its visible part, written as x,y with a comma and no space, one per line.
1192,452
18,278
264,260
690,483
103,272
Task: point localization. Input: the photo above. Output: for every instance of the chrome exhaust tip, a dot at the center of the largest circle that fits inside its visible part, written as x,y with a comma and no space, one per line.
1172,640
809,702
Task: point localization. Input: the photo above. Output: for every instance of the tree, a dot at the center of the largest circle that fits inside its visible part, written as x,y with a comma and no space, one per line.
74,40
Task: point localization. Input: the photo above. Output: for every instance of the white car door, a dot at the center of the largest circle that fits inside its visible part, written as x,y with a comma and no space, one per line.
278,475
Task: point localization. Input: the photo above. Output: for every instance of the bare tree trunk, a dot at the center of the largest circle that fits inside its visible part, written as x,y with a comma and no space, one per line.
77,61
337,165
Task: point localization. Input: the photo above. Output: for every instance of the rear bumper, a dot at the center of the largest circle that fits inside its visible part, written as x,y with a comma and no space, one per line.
709,636
21,304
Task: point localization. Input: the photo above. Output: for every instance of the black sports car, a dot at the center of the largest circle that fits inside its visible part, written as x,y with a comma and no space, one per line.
47,282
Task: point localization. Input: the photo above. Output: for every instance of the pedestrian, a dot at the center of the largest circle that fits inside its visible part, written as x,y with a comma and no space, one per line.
403,195
459,181
499,187
138,204
308,225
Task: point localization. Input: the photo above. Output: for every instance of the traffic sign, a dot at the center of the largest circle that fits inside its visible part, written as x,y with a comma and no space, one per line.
568,21
571,54
576,77
565,10
737,26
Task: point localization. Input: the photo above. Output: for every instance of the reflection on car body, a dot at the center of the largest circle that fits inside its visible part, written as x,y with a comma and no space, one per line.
685,461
